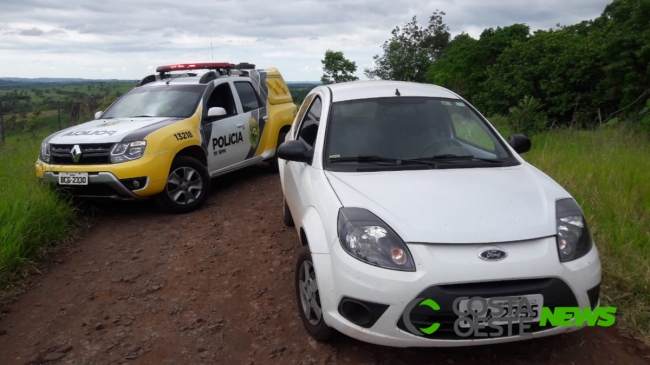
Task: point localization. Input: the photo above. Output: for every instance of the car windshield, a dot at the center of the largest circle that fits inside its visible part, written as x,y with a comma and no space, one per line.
410,128
157,101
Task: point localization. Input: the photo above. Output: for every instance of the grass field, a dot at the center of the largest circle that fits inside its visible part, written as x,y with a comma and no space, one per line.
40,92
608,173
31,216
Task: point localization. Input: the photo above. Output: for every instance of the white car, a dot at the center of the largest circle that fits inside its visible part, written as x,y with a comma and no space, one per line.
420,223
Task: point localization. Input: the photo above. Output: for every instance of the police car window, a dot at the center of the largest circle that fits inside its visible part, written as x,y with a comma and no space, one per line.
248,96
311,118
222,97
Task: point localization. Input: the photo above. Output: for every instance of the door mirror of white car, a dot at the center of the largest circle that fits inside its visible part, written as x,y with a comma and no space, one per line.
216,112
99,114
295,151
519,143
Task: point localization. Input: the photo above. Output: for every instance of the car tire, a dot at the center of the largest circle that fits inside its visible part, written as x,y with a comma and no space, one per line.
273,162
309,300
287,217
187,186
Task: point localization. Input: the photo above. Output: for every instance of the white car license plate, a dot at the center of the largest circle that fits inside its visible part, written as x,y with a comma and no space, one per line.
536,303
73,178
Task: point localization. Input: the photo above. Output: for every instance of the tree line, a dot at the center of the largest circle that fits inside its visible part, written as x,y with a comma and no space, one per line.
584,75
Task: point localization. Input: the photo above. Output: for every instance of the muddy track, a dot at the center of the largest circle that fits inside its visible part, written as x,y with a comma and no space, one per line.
216,287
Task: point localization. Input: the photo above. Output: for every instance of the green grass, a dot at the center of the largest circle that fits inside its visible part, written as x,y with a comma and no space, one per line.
608,173
49,90
32,216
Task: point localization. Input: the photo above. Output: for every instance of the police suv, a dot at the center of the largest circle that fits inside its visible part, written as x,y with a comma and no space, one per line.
171,133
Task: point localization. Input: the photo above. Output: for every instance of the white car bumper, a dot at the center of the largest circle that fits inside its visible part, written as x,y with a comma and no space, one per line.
531,267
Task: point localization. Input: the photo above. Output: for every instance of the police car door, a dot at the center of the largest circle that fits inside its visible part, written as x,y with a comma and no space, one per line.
228,142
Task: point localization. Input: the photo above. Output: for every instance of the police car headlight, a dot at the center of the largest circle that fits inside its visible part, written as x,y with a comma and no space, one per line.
45,152
367,238
129,151
573,237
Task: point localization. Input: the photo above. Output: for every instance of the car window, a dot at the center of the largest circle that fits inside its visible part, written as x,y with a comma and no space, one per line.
301,113
157,101
248,96
409,128
311,122
221,97
467,127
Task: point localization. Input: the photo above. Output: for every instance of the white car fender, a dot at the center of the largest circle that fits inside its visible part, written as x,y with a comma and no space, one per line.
312,225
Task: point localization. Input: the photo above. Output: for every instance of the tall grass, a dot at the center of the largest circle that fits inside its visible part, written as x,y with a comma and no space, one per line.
608,173
31,216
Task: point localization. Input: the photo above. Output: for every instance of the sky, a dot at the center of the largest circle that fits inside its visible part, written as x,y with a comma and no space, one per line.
128,39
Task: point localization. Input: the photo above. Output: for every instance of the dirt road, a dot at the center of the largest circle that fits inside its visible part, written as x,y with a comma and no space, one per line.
216,287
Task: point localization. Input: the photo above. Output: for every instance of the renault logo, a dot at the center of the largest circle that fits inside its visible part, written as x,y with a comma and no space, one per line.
75,153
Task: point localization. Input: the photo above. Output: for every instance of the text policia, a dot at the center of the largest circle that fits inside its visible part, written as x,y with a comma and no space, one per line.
476,314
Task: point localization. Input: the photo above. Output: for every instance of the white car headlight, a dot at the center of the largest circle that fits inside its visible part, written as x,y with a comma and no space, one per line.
367,238
127,151
573,237
45,152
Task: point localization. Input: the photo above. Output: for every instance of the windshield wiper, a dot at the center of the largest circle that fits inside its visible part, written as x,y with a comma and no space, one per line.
142,116
451,157
377,159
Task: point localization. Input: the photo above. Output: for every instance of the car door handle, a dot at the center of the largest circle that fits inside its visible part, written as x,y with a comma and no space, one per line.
240,125
265,118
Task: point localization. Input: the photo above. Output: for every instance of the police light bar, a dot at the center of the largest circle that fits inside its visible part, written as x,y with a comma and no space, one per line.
194,66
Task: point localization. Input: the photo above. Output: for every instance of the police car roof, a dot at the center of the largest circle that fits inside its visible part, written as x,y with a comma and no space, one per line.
189,79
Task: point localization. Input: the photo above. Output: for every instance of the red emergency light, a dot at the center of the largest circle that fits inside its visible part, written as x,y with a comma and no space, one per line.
194,66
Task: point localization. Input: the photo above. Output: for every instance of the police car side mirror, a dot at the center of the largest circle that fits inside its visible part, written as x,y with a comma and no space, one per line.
216,112
99,114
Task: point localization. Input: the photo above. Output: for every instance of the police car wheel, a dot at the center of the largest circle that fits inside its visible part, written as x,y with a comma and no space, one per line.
187,187
308,296
273,162
287,217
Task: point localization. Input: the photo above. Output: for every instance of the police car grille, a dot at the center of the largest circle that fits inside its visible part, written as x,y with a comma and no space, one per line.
91,154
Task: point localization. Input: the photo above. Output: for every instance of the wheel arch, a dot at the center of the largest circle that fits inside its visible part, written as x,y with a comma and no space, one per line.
312,232
195,152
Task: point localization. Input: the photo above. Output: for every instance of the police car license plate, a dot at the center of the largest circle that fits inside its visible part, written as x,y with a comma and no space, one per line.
73,178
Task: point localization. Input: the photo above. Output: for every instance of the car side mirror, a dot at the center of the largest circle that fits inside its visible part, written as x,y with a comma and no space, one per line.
295,150
308,134
519,143
216,112
99,114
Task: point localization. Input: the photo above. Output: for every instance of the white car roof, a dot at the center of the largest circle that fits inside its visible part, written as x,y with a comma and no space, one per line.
377,89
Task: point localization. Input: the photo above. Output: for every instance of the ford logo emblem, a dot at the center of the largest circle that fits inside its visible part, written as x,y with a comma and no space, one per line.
492,254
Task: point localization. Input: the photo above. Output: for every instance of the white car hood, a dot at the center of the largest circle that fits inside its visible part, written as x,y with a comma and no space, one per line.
105,130
469,205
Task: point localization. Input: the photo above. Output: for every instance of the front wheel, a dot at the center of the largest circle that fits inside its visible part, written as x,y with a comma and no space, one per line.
309,303
187,188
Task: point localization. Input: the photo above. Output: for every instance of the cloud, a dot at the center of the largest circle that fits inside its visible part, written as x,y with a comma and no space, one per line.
127,36
31,32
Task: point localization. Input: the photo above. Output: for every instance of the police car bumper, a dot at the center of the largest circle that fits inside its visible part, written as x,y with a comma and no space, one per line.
369,303
102,185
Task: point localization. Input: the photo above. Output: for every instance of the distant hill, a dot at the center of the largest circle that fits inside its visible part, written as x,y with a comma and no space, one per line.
20,81
310,84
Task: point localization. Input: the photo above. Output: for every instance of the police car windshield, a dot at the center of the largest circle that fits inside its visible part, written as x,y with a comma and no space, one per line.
410,128
178,101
